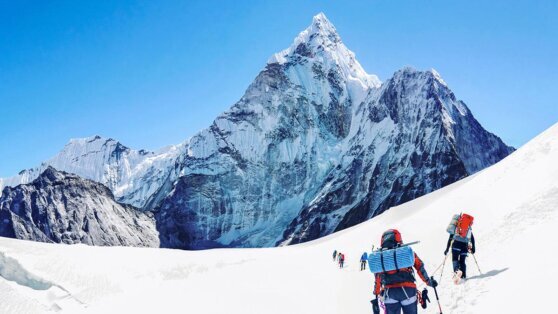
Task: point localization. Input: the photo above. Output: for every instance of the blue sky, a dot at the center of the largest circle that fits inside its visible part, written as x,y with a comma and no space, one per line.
152,73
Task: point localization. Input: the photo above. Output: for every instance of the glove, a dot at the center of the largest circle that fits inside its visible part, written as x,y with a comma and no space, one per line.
473,250
432,282
375,306
446,252
424,298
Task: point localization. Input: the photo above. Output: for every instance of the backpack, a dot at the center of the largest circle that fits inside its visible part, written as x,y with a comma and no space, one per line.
391,256
460,227
464,226
385,260
453,224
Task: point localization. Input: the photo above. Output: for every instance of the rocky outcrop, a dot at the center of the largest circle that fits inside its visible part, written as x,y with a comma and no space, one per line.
63,208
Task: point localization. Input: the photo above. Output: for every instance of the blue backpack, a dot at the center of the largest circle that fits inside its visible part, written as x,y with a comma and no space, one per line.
384,260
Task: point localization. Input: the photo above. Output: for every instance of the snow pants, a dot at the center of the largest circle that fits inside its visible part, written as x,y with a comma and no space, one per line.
401,299
459,251
362,265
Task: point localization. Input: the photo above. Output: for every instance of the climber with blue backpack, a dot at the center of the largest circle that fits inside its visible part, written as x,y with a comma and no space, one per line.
392,266
363,260
462,242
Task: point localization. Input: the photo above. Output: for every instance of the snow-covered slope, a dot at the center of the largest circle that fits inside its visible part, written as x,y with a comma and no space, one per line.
514,204
64,208
135,177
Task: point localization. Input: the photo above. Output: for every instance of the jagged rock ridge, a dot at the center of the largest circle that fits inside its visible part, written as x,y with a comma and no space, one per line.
63,208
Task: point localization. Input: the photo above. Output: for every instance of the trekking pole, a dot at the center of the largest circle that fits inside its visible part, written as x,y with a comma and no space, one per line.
437,298
476,263
445,258
439,266
443,264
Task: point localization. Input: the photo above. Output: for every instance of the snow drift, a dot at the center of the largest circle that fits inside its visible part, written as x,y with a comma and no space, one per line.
513,201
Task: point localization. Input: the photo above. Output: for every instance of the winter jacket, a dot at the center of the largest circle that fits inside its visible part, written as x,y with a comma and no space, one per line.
400,278
364,256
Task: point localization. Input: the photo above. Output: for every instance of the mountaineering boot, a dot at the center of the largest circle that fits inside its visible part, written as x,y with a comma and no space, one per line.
457,277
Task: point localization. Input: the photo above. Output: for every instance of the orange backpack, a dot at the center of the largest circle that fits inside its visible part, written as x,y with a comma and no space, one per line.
464,225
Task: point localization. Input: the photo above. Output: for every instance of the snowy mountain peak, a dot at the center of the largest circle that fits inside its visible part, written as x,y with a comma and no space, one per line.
321,30
319,36
320,43
410,71
428,82
89,139
134,176
321,18
95,141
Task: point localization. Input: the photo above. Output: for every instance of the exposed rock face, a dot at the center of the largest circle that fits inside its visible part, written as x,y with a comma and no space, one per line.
413,137
319,144
249,174
64,208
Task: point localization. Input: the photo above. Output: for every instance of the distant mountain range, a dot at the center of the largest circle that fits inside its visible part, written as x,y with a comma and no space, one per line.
315,145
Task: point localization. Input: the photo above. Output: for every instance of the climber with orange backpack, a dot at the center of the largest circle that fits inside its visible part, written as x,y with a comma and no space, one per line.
462,242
